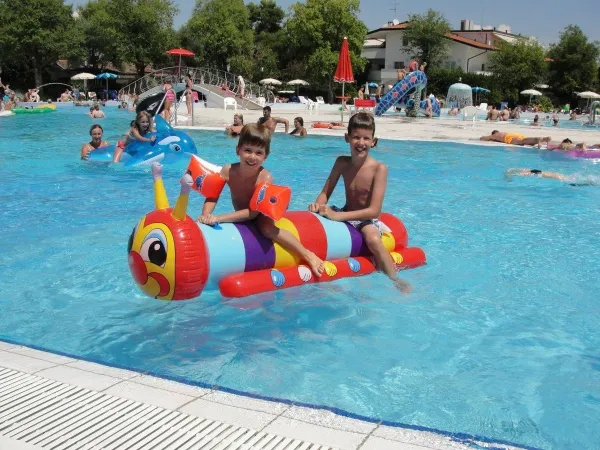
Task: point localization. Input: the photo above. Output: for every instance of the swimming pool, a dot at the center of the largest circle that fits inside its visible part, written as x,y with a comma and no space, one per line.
498,339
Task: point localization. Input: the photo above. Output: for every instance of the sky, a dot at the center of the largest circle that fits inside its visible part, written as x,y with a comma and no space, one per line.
543,19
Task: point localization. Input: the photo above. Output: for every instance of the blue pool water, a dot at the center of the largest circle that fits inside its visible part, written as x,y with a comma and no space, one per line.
499,337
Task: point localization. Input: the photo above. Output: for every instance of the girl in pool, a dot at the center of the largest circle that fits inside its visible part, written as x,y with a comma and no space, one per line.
299,129
140,127
96,133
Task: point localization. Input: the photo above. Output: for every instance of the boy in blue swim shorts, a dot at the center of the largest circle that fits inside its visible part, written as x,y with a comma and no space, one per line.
365,181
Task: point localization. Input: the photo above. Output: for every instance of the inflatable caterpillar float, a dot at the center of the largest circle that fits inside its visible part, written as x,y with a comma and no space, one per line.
173,257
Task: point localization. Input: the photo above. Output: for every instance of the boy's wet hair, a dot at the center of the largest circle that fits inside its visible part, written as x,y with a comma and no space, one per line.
267,108
494,132
361,121
241,116
256,134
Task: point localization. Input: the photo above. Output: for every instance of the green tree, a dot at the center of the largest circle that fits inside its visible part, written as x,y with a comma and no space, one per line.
265,17
517,67
426,37
147,27
219,33
40,31
314,35
574,65
104,40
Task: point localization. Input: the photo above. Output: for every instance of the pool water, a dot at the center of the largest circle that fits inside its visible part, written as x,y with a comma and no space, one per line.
498,339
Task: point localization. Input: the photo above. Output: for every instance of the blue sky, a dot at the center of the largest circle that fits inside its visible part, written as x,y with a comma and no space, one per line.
541,18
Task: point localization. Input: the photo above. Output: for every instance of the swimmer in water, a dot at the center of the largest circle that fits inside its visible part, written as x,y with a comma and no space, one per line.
570,179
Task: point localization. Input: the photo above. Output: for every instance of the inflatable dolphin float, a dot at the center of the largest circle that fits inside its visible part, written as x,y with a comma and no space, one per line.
170,146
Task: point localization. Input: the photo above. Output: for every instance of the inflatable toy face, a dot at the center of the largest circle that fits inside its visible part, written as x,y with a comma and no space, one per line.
162,260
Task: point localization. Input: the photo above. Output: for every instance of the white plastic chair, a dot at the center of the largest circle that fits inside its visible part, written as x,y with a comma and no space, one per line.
303,100
320,100
230,102
261,101
483,107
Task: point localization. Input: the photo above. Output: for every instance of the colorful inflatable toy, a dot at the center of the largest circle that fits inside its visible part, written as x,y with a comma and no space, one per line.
38,109
170,146
410,86
581,153
173,257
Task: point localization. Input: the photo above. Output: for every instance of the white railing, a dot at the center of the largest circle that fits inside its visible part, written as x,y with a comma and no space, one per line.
199,75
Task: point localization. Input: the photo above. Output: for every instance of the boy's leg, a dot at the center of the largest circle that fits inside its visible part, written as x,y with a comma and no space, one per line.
286,239
382,256
531,141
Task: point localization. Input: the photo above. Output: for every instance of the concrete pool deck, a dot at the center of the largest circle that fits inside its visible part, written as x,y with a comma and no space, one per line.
53,401
393,127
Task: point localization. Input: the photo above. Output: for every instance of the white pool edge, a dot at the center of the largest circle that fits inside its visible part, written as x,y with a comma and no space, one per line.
317,426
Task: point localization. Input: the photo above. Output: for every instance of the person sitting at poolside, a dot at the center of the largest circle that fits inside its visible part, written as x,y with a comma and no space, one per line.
493,114
236,128
299,129
514,138
571,179
96,133
271,122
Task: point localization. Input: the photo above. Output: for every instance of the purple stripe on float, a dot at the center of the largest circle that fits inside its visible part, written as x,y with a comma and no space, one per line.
260,252
359,248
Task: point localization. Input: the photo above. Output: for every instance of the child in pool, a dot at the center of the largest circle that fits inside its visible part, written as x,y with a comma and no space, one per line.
365,180
96,133
140,127
242,177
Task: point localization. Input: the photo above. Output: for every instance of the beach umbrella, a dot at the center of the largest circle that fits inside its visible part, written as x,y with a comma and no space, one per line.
84,76
106,76
343,72
531,93
298,83
478,90
588,95
180,52
541,86
271,82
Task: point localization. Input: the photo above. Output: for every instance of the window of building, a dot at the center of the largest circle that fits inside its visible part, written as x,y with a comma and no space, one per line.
399,65
483,67
404,41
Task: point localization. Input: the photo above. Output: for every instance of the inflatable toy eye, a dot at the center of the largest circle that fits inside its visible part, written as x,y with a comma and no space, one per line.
175,147
154,248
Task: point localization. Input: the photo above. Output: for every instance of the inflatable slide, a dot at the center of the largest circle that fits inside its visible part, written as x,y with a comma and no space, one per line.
404,92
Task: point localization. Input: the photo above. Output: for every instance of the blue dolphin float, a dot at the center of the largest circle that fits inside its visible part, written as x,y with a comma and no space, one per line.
403,91
170,146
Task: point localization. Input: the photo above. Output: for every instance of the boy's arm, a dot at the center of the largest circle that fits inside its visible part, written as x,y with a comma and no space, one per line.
211,203
328,187
373,211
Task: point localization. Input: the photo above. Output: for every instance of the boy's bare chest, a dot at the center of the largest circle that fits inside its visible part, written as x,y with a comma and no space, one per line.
360,180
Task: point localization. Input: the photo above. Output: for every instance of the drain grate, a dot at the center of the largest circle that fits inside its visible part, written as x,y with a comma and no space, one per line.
51,414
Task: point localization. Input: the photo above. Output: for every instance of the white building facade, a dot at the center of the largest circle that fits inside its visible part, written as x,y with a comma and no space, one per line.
469,49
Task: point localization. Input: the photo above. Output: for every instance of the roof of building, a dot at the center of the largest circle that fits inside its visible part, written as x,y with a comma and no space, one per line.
470,42
381,32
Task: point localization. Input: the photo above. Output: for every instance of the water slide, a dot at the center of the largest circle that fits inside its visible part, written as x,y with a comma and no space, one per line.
215,97
404,92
